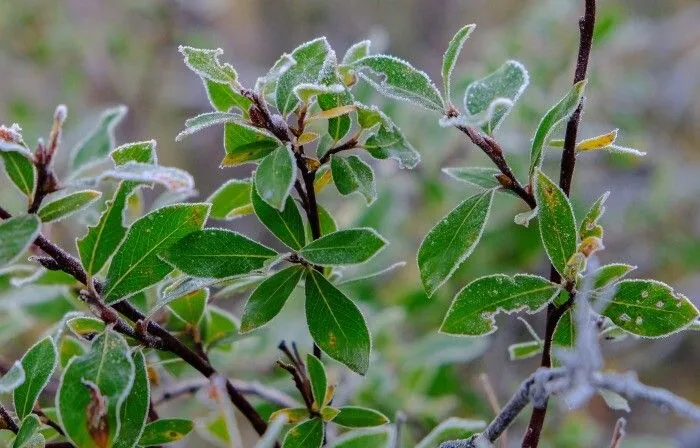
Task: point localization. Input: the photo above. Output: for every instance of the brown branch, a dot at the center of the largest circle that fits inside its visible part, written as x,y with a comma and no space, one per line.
350,144
9,421
568,163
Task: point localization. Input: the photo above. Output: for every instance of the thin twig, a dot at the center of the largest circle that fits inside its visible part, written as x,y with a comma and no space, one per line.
493,402
618,433
9,421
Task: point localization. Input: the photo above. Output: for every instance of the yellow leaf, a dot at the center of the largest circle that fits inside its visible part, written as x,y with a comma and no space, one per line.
333,113
599,142
322,180
307,137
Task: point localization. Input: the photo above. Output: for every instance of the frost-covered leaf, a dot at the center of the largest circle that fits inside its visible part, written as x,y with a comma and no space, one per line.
100,142
370,275
67,205
524,350
286,225
306,92
16,234
216,253
351,174
556,220
134,409
560,112
339,104
68,348
266,85
269,297
474,307
318,378
27,431
449,59
13,378
388,142
223,97
648,308
84,326
308,434
165,430
359,417
190,307
275,177
93,387
398,79
336,324
187,285
480,177
245,143
488,101
607,274
356,52
452,240
589,224
343,247
173,179
136,265
291,415
206,64
451,429
615,401
142,152
524,218
19,168
38,364
364,438
565,331
203,121
231,200
313,60
598,142
218,327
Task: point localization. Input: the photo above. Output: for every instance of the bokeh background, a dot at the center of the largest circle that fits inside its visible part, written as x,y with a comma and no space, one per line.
644,79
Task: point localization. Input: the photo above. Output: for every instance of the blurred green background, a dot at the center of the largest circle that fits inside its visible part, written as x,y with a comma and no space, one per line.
644,79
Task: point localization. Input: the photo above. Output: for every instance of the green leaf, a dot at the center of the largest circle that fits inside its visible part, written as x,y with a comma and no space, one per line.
174,179
203,121
524,350
286,225
84,326
351,174
356,52
556,220
100,142
190,307
610,273
589,224
165,430
218,327
451,429
148,236
343,247
308,434
38,364
359,417
16,235
488,101
231,200
291,416
313,60
449,59
390,143
217,253
560,112
269,297
12,379
364,438
336,324
399,79
206,64
141,152
266,85
452,240
68,349
223,97
134,410
474,307
648,308
67,205
338,127
20,169
245,143
27,430
92,389
565,331
318,378
480,177
101,240
275,177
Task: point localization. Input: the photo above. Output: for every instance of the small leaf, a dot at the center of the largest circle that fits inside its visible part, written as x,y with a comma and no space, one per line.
389,143
307,137
359,417
589,225
328,413
165,430
356,52
364,438
68,349
266,85
598,142
308,434
451,429
27,430
560,112
134,410
556,220
217,253
610,273
100,142
203,121
525,217
275,177
20,169
313,59
67,205
245,143
399,79
480,177
286,225
565,331
190,307
231,200
452,240
336,324
334,112
38,364
318,378
269,297
474,307
206,64
174,179
449,59
84,326
351,174
615,401
306,92
16,235
648,308
223,97
141,152
147,237
291,415
12,379
343,247
218,327
524,350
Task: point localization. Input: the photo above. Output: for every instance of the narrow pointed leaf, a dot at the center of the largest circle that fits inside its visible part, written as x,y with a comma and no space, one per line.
351,174
136,265
16,235
452,240
67,205
13,378
231,200
308,434
313,60
449,59
165,430
356,52
134,410
20,169
100,142
286,225
318,378
343,247
610,273
275,177
174,179
336,324
244,143
359,417
524,350
203,121
474,307
206,64
38,364
27,430
589,224
480,177
269,297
